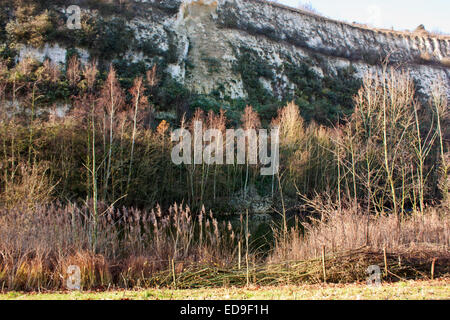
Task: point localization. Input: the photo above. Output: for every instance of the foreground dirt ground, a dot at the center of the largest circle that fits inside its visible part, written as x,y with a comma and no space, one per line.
408,290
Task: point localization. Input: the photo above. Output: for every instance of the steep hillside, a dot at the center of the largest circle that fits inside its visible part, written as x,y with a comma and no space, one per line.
252,51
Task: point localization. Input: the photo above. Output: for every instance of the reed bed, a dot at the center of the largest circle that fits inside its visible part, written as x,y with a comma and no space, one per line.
339,230
119,248
131,248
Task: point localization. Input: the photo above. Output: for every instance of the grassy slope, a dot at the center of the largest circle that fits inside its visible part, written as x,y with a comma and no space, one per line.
416,290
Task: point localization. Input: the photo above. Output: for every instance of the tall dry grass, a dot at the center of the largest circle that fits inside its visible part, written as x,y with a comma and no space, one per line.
38,244
350,229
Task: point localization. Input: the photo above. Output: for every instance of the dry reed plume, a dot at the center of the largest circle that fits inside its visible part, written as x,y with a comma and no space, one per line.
37,245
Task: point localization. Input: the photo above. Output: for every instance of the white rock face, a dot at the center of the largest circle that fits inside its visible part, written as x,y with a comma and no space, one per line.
203,40
176,72
273,28
216,29
54,52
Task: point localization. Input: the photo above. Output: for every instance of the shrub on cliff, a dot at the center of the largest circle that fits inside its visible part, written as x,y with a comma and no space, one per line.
29,26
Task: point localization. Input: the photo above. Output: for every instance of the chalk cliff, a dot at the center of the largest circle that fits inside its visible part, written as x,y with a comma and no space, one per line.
203,41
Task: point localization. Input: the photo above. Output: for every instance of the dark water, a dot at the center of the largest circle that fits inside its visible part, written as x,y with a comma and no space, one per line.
261,228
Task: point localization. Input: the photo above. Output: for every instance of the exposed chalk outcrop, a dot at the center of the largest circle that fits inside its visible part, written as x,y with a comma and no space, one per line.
207,35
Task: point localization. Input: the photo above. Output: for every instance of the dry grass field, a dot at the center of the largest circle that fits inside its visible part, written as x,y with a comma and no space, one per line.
408,290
